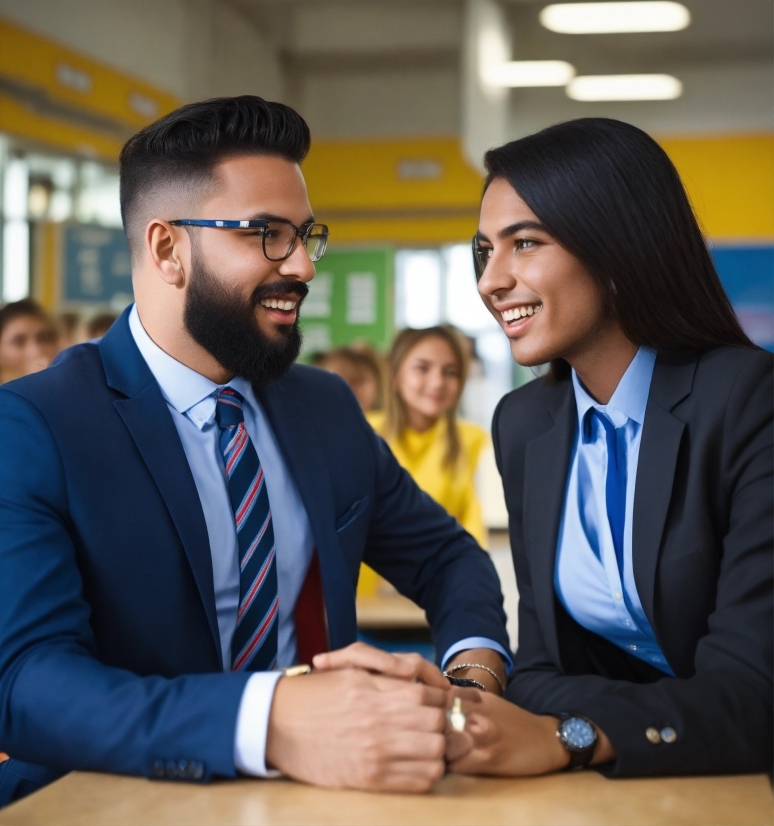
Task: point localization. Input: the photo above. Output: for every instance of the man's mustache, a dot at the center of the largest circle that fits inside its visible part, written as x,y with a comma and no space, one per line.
280,289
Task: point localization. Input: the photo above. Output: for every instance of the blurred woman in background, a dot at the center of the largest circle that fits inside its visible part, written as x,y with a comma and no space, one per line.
28,340
427,370
360,368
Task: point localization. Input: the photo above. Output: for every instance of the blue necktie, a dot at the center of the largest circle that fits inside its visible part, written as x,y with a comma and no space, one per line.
254,645
615,485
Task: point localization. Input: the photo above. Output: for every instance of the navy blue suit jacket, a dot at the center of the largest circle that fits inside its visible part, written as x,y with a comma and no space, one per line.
109,648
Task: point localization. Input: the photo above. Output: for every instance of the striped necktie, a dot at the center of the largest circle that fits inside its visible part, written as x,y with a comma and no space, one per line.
254,645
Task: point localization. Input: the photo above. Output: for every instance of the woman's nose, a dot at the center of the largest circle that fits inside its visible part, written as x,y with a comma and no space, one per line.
497,275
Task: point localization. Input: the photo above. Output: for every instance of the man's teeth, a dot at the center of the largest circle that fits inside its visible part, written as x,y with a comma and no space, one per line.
521,312
277,304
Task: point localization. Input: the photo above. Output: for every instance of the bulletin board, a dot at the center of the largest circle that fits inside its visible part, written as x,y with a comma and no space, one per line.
350,300
97,268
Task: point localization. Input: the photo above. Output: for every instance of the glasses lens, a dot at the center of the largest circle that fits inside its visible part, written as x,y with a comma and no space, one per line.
278,238
316,241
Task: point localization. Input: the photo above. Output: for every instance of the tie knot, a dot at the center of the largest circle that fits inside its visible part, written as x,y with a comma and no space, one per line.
228,410
592,414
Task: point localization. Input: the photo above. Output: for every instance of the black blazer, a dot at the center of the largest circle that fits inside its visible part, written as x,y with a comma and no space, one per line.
702,556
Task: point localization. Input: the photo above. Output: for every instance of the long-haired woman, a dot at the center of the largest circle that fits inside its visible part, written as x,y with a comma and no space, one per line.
427,370
638,476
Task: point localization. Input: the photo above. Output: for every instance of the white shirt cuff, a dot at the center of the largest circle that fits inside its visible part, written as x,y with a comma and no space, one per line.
478,642
252,725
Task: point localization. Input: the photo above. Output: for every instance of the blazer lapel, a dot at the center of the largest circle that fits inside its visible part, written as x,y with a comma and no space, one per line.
662,434
293,425
547,464
150,425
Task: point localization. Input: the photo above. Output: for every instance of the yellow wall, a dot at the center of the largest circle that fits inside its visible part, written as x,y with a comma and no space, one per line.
69,101
356,188
731,183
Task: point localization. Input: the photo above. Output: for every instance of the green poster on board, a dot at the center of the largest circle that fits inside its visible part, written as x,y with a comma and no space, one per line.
350,300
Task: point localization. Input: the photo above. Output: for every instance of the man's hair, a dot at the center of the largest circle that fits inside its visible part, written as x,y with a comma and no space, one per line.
180,151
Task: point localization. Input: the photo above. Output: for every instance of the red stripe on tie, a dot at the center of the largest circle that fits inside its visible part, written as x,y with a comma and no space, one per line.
239,449
249,597
249,500
254,642
251,549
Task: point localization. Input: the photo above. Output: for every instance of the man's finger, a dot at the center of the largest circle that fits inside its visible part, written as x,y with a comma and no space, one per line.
357,655
412,776
412,694
400,666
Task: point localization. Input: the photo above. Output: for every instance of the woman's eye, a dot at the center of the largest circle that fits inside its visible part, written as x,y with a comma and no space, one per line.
524,244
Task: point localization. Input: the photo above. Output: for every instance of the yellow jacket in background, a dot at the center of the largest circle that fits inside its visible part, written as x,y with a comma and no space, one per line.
422,454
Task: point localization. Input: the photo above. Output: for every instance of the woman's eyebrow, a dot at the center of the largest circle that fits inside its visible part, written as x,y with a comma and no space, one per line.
518,226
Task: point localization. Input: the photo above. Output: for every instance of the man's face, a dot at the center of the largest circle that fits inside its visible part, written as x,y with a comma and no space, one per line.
232,285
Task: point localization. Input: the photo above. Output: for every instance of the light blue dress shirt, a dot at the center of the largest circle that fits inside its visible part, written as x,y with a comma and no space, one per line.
191,400
586,577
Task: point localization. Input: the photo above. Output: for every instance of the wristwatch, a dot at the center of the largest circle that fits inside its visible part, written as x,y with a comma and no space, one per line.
579,738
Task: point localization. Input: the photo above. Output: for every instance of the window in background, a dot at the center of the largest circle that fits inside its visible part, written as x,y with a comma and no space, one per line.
38,188
439,286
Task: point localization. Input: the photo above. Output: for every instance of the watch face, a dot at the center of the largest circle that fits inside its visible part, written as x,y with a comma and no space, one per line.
577,733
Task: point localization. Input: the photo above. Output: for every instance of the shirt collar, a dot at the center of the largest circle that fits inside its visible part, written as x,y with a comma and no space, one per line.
189,392
630,397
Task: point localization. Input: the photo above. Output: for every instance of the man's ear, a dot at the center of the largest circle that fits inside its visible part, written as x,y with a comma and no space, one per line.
170,251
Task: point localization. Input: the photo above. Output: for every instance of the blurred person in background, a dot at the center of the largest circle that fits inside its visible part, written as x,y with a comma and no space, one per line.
638,475
360,369
69,329
28,340
97,326
427,371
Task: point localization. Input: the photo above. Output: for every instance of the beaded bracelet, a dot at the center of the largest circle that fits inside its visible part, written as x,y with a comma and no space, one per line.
460,666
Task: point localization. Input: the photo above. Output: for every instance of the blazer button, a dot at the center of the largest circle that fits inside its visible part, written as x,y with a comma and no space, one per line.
653,735
158,768
668,734
171,769
197,771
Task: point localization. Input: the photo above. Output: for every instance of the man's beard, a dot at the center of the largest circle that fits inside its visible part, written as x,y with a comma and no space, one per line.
224,323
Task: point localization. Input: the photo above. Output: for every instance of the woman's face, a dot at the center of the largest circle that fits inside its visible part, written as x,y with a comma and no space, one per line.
546,302
27,344
428,381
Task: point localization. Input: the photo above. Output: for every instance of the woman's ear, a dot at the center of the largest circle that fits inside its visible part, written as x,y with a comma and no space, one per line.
169,249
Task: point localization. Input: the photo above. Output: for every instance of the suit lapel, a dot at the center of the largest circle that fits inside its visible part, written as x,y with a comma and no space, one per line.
547,464
150,425
293,426
662,434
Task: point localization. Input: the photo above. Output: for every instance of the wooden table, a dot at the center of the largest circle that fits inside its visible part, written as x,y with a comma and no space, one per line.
577,798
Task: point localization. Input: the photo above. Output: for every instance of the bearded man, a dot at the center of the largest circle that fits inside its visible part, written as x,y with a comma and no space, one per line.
184,512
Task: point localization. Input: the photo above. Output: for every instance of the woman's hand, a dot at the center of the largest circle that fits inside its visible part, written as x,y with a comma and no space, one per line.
507,740
501,738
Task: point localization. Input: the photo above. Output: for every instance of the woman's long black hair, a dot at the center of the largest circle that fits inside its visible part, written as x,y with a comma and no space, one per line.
608,193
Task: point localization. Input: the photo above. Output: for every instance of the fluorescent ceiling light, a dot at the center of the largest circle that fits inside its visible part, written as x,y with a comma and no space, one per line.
624,87
604,18
530,73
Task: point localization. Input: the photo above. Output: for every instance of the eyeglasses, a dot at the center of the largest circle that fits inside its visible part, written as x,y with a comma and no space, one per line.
480,258
278,236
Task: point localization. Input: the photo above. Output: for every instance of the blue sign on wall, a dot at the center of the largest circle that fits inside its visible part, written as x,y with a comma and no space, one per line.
96,266
747,273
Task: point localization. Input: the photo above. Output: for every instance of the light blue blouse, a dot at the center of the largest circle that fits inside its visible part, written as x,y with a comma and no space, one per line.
586,577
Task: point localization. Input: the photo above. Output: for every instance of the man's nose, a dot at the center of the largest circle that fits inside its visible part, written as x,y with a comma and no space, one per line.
298,264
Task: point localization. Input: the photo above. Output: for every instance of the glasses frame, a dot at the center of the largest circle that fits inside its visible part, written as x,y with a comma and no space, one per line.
479,264
304,232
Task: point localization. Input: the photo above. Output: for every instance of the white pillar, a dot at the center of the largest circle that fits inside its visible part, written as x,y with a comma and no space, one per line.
486,43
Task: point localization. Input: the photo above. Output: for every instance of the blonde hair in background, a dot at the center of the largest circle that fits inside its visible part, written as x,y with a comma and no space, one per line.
396,416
